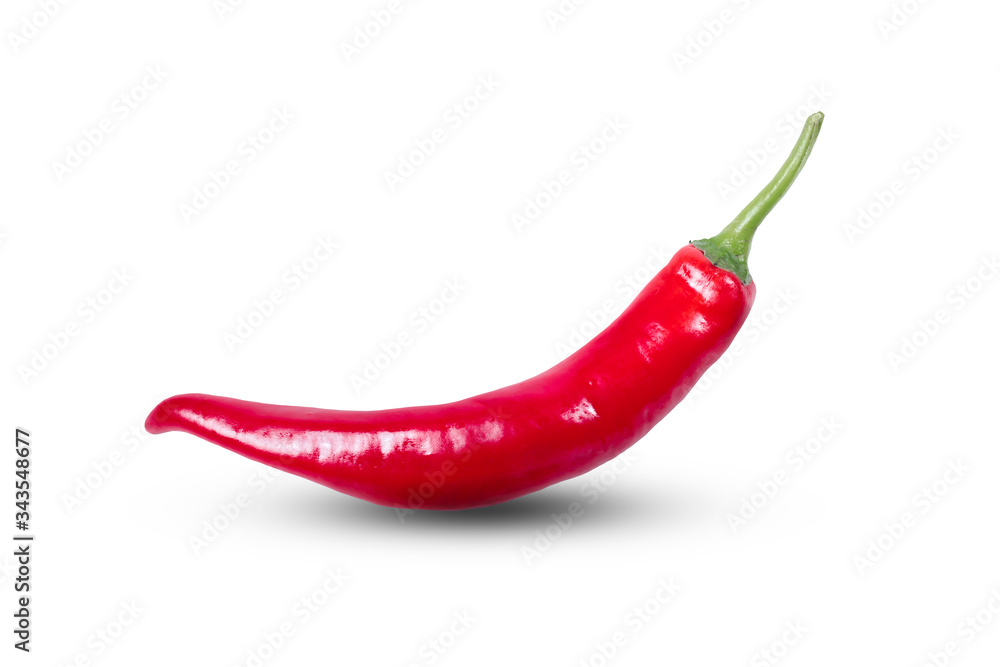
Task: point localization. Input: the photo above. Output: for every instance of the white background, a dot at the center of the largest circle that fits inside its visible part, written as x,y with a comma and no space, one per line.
856,298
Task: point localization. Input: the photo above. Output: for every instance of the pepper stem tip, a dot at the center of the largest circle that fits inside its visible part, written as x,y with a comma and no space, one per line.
729,248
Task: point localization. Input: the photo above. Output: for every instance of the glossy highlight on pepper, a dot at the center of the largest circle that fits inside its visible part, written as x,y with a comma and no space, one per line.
503,444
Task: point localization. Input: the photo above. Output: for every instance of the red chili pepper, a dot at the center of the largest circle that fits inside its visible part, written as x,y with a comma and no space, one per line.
497,446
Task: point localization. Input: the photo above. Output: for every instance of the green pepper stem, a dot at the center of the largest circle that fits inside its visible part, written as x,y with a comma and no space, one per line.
730,247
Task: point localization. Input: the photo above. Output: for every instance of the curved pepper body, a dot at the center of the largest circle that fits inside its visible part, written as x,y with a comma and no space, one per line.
506,443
